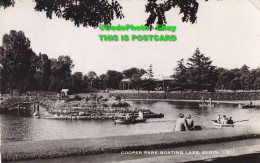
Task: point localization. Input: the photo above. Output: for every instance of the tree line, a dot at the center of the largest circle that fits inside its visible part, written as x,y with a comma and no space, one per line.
198,74
24,70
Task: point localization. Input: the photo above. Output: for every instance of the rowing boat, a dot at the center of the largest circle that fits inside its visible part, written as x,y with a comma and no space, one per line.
129,121
217,125
246,106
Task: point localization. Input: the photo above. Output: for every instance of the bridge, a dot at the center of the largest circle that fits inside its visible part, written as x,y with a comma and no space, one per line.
25,105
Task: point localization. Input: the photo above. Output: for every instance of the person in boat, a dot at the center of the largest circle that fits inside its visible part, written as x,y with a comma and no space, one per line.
140,115
250,103
230,121
127,116
218,119
181,124
225,119
190,123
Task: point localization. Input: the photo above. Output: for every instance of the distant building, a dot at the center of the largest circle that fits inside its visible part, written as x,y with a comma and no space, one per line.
64,92
162,81
125,83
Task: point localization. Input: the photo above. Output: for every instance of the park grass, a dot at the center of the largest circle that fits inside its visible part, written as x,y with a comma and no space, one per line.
48,149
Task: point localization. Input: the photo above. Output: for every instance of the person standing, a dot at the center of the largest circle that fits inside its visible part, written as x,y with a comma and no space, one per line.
202,100
181,124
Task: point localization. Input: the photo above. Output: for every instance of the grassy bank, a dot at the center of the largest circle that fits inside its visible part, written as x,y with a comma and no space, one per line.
75,147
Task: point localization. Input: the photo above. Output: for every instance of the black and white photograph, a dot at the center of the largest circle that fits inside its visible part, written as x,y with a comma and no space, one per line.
129,81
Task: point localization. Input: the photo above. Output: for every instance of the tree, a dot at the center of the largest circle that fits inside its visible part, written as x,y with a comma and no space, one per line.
61,71
255,73
102,81
235,84
77,82
6,3
136,82
149,83
81,12
43,72
134,75
201,73
257,84
93,12
180,76
133,72
245,73
92,80
157,10
224,79
113,79
18,61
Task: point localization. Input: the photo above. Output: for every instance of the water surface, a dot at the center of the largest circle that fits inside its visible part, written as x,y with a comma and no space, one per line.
30,129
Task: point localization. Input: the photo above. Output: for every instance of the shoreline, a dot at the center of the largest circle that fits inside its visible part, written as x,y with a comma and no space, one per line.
47,149
255,102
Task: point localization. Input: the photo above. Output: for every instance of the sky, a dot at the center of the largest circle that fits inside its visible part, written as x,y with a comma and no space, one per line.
226,31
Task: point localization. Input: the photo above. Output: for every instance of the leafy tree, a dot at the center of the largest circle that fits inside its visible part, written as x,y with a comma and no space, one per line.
255,73
81,12
133,72
235,84
150,72
180,76
257,84
245,73
43,72
61,72
224,79
248,82
157,9
93,12
149,83
236,72
18,61
77,82
201,73
102,84
92,80
113,79
134,75
6,3
136,82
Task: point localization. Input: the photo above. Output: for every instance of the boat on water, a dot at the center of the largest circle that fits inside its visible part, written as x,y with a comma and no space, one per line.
129,121
206,105
246,106
218,125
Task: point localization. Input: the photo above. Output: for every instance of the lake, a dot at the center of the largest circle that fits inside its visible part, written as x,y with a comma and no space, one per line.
30,129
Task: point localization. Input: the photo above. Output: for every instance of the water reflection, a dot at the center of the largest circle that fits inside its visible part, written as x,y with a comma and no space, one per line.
29,129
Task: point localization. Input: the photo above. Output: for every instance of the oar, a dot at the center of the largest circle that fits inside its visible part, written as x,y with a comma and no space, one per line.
242,120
